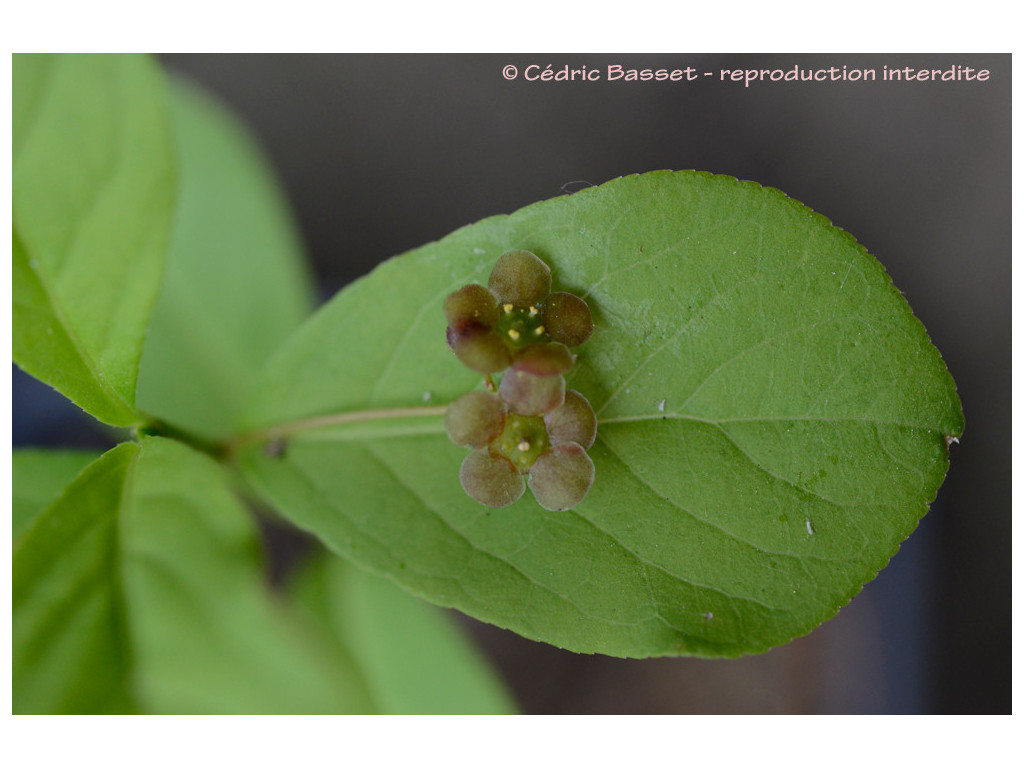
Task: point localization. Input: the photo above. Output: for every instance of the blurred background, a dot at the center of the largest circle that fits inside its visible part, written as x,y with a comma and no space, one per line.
382,153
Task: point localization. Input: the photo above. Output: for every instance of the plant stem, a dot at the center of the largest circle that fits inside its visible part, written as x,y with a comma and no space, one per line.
160,428
283,431
276,433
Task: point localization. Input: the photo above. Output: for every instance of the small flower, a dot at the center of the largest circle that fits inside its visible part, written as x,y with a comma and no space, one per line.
550,449
516,320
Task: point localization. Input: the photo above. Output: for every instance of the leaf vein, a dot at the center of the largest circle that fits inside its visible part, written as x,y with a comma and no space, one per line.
428,306
698,518
657,350
647,564
516,569
55,309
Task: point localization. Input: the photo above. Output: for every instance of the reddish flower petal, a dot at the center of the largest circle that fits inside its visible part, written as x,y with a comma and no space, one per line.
530,395
479,348
561,477
475,419
490,480
471,305
547,359
520,278
573,421
567,319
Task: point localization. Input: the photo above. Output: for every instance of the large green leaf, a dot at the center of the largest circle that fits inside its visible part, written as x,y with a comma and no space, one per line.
37,478
93,189
141,589
773,423
415,661
235,285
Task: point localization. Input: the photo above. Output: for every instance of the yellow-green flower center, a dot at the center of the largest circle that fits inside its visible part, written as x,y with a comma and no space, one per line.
523,440
520,326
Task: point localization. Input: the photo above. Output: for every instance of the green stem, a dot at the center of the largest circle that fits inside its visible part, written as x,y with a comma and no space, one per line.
283,431
160,428
280,432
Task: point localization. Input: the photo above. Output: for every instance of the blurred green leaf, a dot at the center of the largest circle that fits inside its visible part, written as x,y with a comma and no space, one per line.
37,479
773,423
414,659
235,285
141,589
93,196
70,636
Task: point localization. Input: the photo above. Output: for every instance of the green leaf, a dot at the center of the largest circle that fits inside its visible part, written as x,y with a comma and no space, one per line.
69,640
141,589
93,189
773,423
37,479
415,660
235,286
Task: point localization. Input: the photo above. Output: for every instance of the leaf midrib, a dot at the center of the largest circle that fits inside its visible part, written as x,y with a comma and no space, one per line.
121,605
369,417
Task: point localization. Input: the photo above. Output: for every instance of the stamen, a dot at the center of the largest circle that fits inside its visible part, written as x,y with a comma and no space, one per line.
534,311
524,446
513,334
507,307
538,330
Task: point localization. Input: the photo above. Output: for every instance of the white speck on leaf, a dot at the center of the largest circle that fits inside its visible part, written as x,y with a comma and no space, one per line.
479,251
426,397
810,529
661,406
